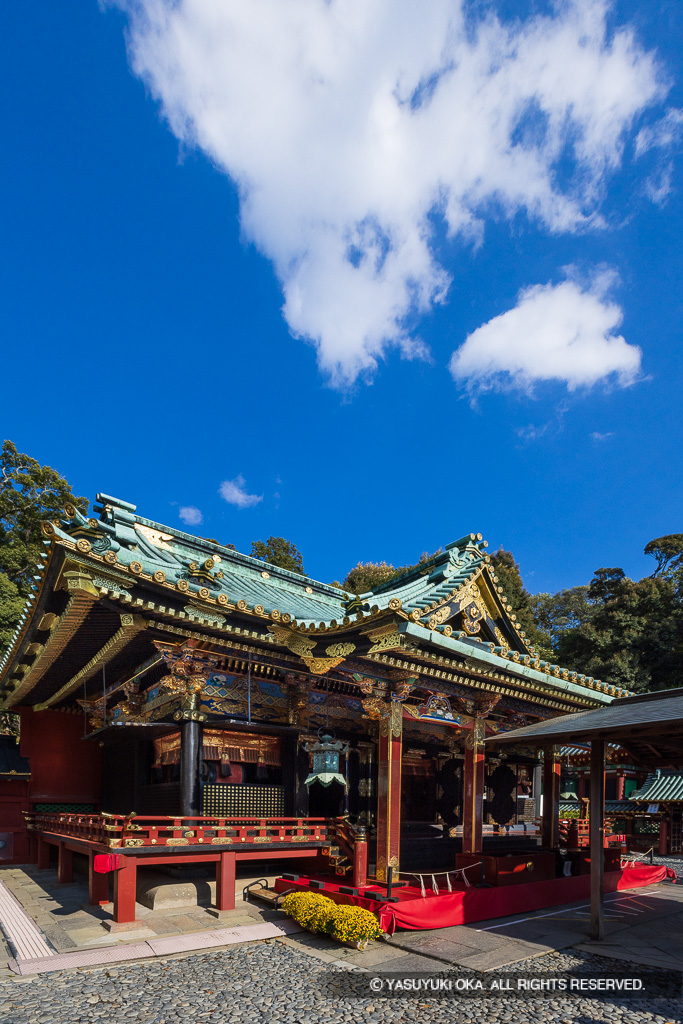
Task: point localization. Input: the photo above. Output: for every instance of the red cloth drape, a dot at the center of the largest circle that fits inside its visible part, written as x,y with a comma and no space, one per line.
464,906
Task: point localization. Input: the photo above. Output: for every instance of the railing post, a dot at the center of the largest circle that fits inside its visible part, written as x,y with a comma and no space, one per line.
360,859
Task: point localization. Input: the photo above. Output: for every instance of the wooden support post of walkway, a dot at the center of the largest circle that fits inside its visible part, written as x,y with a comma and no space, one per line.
225,881
125,885
65,864
43,858
98,883
597,831
550,827
663,829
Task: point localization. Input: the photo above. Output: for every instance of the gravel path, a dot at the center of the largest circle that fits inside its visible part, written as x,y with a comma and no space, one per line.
279,984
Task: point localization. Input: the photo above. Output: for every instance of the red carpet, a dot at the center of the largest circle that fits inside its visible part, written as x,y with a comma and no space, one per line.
464,906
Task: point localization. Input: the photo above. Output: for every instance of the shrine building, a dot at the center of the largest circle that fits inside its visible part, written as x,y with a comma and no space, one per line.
180,701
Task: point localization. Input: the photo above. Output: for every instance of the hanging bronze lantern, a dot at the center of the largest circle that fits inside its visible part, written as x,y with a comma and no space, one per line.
326,751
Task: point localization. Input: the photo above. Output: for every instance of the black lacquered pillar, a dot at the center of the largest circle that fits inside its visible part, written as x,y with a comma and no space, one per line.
190,757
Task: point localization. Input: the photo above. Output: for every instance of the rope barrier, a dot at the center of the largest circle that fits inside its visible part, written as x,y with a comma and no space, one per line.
456,872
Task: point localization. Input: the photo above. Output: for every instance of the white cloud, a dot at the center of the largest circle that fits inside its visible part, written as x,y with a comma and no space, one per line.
597,436
347,124
562,332
190,515
234,493
663,134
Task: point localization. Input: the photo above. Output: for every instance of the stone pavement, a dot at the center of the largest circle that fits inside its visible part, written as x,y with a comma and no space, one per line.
67,920
278,982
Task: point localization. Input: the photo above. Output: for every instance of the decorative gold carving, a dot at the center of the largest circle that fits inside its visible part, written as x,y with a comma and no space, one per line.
394,604
110,557
293,641
242,605
48,528
189,834
319,666
183,586
339,650
439,616
309,590
177,842
160,576
222,599
220,840
83,545
48,621
135,567
372,706
266,575
155,537
135,842
382,640
258,608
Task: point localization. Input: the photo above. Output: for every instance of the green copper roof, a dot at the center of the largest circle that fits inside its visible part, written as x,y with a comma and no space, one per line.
660,787
455,584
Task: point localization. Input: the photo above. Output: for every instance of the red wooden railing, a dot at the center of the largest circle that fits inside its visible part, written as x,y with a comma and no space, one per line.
118,830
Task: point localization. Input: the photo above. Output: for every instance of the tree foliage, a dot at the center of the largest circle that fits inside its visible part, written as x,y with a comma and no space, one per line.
367,576
280,552
29,494
518,597
669,553
626,632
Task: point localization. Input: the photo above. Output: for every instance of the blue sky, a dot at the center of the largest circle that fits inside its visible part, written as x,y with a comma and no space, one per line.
391,281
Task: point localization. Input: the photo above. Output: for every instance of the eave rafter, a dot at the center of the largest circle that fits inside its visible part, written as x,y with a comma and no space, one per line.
131,625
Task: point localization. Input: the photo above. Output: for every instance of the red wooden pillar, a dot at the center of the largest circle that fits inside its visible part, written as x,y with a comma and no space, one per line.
620,786
125,884
473,788
225,881
65,864
360,859
551,799
98,883
43,859
663,837
389,789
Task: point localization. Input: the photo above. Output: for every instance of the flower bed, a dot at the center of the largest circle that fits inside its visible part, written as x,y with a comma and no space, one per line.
353,926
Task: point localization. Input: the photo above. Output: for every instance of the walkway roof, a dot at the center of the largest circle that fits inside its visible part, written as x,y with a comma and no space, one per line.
647,725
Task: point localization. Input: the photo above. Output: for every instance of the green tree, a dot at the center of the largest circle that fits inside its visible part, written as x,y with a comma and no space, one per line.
633,635
518,597
367,576
280,552
557,614
11,603
29,494
669,553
